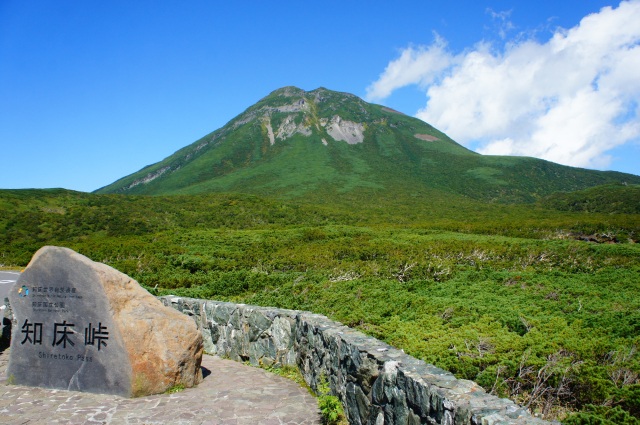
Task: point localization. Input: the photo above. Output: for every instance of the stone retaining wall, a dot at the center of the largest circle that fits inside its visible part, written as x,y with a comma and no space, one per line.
377,383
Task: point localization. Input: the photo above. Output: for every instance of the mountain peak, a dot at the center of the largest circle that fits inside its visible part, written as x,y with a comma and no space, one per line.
296,143
320,94
287,91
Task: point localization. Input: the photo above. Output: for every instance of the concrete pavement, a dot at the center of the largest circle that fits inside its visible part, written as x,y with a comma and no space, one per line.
231,394
7,280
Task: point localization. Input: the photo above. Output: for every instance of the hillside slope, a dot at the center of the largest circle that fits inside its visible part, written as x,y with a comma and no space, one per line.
611,199
324,145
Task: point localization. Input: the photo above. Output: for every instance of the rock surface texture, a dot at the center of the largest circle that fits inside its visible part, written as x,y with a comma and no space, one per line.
376,383
84,326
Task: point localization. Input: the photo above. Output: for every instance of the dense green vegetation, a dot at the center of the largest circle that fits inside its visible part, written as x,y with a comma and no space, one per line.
610,198
511,296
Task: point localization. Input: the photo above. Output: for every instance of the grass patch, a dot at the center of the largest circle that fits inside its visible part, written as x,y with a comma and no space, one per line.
330,405
175,389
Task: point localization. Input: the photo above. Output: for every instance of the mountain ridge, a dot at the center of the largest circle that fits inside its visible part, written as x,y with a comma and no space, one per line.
294,143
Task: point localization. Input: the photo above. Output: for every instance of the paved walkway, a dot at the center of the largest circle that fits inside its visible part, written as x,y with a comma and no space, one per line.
232,394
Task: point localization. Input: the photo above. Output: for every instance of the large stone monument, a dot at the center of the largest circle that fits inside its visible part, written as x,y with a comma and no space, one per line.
85,326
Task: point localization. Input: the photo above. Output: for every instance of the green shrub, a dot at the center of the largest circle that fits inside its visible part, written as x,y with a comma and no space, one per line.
602,415
330,405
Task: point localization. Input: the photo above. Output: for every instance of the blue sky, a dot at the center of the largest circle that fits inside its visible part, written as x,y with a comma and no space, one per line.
92,91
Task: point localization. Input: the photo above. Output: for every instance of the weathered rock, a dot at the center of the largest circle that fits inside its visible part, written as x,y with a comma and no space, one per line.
378,384
85,326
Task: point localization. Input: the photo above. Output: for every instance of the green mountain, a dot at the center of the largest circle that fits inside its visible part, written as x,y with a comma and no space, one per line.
324,145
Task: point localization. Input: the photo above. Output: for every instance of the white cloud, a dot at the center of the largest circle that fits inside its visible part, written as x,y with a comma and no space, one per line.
419,66
502,22
569,99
